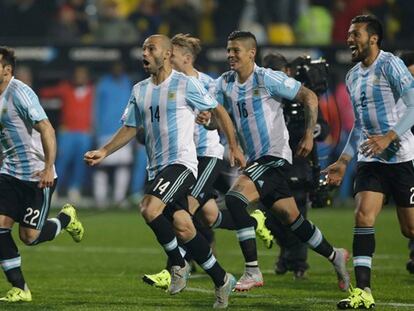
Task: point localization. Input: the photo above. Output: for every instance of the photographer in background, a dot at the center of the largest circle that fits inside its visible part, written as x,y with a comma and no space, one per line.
304,176
408,59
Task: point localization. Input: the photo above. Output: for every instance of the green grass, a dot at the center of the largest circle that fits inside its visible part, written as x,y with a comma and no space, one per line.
104,271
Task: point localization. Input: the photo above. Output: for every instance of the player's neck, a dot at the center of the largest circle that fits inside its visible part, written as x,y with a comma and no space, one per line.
244,73
161,75
371,58
190,71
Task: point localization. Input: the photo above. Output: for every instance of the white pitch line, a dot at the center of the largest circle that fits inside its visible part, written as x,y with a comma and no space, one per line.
314,300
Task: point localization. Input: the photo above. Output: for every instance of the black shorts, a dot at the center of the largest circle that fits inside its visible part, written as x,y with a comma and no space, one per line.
209,169
395,180
270,176
24,201
171,183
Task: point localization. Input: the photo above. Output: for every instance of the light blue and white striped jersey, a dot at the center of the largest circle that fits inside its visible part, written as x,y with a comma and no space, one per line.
256,109
21,146
167,112
374,92
207,142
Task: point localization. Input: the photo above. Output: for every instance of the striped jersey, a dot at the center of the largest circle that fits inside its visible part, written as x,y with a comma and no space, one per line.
207,142
256,109
21,146
167,114
374,93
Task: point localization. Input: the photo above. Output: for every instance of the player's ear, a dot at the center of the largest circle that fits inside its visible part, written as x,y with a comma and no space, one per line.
253,53
373,40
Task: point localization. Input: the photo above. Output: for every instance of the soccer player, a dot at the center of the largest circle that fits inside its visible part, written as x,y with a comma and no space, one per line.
27,177
210,154
382,139
408,59
164,105
252,96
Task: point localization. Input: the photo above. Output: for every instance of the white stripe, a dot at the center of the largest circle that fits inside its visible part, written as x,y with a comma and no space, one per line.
245,234
203,178
209,263
12,263
364,261
316,238
58,224
170,245
176,185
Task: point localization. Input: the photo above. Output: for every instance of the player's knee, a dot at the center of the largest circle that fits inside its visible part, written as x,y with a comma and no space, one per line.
185,233
364,219
29,238
184,227
149,212
408,232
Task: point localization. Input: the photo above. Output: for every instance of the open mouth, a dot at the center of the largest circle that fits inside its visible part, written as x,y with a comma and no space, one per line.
354,49
145,62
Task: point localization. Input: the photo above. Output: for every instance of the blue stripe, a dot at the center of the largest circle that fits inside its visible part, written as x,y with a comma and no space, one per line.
244,123
261,123
365,111
172,121
155,99
202,140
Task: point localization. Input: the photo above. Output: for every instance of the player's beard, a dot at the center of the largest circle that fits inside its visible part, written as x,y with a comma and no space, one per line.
365,52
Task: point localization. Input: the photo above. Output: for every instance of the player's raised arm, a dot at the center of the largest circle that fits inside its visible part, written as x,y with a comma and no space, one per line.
120,139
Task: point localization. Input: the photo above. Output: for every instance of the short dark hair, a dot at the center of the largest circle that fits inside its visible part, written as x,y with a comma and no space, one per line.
407,58
242,35
8,57
275,61
374,26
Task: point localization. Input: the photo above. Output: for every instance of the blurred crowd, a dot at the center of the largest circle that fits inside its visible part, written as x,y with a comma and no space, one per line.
85,105
86,111
285,22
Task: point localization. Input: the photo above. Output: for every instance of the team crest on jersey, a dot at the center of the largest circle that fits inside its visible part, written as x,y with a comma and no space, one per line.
4,110
171,95
256,92
376,80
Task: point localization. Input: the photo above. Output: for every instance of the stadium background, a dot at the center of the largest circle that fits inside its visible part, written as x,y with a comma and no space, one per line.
51,37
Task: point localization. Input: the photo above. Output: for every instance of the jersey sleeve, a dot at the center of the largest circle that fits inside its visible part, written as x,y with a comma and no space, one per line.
398,76
198,97
131,116
28,105
279,84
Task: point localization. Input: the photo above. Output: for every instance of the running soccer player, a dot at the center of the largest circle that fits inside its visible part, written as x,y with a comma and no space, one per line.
252,95
210,154
383,142
164,105
27,177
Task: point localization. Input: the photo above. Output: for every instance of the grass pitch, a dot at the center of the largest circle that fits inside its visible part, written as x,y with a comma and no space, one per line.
104,271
